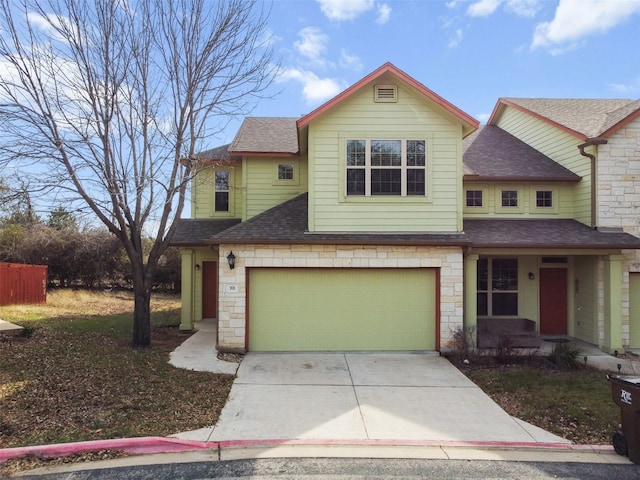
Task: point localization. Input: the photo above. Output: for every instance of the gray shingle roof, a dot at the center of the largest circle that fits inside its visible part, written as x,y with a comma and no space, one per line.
491,153
590,117
539,233
217,154
287,223
192,232
266,135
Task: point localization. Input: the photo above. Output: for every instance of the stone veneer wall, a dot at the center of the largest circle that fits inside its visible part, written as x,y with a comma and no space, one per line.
619,198
232,283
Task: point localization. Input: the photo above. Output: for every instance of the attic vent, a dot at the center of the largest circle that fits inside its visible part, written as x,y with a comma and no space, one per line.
386,93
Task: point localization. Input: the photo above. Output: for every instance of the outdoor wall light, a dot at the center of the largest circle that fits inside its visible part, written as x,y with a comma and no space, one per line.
531,276
197,267
231,258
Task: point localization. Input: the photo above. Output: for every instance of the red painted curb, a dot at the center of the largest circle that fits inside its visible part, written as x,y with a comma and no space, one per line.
129,445
174,445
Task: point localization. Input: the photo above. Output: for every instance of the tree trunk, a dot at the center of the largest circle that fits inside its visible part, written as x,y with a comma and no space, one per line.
141,312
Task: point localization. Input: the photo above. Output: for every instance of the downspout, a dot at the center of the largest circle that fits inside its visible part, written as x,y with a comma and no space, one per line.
594,185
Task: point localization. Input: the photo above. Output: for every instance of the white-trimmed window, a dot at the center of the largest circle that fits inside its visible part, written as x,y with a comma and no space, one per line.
386,167
497,287
474,198
222,190
544,199
285,171
509,198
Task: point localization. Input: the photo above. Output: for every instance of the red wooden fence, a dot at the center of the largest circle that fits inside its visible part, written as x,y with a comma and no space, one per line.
22,283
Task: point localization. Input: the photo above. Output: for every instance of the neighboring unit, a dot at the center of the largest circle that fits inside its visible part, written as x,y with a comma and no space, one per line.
388,219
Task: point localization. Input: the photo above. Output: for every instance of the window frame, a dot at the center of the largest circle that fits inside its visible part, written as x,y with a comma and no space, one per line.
369,167
230,196
499,208
295,180
555,197
490,291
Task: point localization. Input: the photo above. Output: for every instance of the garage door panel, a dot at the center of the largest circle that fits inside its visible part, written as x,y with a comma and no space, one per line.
341,309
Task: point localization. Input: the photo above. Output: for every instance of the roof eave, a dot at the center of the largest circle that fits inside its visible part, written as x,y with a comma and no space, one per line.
488,178
265,154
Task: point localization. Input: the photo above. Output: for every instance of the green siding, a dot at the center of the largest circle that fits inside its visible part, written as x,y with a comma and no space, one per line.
584,289
203,189
558,145
263,190
341,309
563,199
410,118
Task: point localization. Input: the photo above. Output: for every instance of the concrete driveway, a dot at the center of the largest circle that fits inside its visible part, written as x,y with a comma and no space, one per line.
361,396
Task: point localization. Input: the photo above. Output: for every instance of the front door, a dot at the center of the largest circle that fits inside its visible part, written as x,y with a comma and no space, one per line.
209,289
553,301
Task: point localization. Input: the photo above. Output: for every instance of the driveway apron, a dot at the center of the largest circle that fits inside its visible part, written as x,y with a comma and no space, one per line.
362,396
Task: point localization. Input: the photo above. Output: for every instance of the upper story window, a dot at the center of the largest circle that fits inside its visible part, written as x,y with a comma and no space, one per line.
474,198
386,167
544,199
221,201
509,198
285,171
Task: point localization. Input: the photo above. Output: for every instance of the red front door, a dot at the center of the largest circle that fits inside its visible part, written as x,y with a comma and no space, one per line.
209,289
553,301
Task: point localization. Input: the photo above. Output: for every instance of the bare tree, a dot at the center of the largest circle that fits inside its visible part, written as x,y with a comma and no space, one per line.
104,98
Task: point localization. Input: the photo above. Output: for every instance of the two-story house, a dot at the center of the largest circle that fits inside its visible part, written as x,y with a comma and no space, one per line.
388,219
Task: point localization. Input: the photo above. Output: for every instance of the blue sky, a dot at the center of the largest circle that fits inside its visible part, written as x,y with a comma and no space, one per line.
471,52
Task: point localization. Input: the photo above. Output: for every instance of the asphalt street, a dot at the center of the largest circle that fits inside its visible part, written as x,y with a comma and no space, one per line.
356,469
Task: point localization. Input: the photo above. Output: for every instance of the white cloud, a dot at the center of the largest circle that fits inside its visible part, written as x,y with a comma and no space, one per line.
523,8
484,8
575,20
343,10
384,13
313,44
483,117
314,88
631,88
456,39
349,61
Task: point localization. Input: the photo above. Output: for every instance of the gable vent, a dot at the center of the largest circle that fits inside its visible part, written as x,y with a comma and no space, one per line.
386,93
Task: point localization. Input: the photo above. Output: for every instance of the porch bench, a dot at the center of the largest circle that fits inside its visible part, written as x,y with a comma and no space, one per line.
494,332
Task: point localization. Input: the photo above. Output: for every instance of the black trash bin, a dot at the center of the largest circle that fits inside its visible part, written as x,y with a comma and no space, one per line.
625,390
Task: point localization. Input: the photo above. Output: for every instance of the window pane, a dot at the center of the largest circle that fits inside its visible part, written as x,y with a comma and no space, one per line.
482,304
483,274
222,180
385,181
386,153
415,153
222,201
509,198
356,152
285,172
474,198
504,274
544,198
415,181
505,304
355,181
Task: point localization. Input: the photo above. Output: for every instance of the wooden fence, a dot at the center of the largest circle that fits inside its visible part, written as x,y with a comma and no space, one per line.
22,283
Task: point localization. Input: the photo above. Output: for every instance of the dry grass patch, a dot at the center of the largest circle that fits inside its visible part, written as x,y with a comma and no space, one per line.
75,376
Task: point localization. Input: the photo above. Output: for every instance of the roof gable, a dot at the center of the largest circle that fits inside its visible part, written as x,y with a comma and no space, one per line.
580,117
468,122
